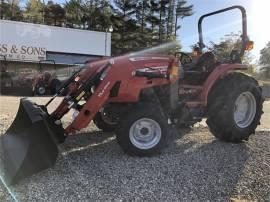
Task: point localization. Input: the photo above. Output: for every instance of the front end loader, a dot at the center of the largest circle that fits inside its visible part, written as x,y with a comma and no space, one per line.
29,145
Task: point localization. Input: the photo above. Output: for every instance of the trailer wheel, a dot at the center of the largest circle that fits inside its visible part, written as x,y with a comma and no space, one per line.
143,131
104,121
235,107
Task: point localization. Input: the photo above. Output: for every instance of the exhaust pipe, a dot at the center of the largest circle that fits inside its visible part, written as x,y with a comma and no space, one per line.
30,144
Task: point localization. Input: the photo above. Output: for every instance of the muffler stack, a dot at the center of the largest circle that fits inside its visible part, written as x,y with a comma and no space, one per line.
29,145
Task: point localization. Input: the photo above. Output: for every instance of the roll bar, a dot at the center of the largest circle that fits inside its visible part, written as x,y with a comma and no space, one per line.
244,26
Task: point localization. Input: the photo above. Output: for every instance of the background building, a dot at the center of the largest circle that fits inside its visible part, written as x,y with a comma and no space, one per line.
24,45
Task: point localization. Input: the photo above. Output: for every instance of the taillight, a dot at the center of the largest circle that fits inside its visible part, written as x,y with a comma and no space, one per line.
249,45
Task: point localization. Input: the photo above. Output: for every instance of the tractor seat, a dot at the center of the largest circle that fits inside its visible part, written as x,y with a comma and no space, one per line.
205,63
197,72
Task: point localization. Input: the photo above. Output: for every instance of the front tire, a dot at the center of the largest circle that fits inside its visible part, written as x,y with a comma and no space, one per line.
144,131
40,90
234,107
104,121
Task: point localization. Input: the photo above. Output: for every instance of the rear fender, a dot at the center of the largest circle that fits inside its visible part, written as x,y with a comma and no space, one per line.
218,73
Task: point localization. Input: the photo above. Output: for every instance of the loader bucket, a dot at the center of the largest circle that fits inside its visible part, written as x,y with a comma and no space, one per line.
29,145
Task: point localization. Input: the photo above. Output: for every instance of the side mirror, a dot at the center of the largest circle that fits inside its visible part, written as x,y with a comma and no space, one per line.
249,45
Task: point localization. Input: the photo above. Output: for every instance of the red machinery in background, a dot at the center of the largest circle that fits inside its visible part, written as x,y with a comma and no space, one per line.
46,83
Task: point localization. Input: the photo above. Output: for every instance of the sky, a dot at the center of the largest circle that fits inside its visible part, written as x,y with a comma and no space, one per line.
216,27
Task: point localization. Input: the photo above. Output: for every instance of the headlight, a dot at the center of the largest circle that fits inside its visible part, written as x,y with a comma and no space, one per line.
77,78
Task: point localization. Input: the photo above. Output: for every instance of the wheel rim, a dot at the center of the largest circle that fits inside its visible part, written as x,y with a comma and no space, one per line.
145,133
244,109
41,90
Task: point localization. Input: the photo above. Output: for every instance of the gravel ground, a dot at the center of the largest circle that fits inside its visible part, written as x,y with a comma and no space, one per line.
195,167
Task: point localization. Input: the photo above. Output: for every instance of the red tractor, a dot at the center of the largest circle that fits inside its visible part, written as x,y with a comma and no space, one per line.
139,97
46,83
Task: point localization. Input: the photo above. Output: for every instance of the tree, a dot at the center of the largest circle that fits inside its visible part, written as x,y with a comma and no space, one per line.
170,18
2,9
10,10
231,42
143,35
224,48
182,11
265,61
34,11
162,19
141,10
124,36
153,20
265,55
74,13
54,14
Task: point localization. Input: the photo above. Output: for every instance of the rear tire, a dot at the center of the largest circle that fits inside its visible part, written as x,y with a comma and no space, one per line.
143,131
55,85
234,107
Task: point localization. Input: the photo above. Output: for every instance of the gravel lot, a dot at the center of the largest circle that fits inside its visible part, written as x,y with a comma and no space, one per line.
195,167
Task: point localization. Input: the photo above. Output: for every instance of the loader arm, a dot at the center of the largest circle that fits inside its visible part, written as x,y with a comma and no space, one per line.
97,100
103,79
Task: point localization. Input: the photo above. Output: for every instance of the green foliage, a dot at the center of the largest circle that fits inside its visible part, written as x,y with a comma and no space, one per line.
227,44
230,42
265,61
265,55
10,10
146,23
74,13
33,11
54,14
182,11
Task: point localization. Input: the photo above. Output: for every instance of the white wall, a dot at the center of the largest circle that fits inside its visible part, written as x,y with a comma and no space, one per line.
56,39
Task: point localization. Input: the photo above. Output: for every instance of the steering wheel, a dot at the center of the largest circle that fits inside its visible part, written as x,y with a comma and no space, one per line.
184,58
